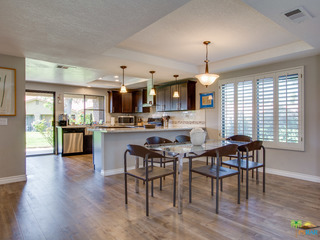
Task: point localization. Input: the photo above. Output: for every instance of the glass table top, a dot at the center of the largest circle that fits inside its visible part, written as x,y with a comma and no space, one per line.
185,148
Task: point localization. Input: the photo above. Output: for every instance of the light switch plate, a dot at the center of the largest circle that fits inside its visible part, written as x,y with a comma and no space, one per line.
3,121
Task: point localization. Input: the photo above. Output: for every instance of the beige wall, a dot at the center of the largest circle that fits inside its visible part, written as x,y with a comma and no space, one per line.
307,162
12,136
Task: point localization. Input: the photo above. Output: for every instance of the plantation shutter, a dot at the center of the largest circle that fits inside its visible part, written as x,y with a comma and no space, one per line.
245,110
289,111
265,109
227,109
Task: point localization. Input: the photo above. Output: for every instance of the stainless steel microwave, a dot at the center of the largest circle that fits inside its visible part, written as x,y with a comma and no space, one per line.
126,120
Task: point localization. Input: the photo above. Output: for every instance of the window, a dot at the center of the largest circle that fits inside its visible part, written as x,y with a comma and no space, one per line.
267,107
84,109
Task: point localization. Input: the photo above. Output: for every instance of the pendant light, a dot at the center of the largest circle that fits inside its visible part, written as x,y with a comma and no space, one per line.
207,78
123,88
152,90
176,92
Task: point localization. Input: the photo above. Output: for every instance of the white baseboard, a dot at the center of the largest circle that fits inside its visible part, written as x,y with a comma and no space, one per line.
296,175
114,171
13,179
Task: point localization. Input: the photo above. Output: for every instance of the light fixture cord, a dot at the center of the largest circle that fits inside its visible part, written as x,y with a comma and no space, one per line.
123,76
206,61
152,79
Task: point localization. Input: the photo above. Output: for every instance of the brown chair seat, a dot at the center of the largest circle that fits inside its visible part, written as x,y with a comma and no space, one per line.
243,164
153,172
211,171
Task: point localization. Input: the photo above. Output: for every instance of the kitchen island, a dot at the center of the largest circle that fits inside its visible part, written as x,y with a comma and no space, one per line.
109,145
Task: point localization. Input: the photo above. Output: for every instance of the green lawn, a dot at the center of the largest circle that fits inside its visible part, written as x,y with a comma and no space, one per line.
36,140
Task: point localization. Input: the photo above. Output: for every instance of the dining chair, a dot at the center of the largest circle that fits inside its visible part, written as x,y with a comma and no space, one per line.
182,139
247,165
215,171
161,161
241,138
185,139
149,172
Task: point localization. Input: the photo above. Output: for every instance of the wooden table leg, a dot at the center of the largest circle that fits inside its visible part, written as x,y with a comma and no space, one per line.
137,180
180,182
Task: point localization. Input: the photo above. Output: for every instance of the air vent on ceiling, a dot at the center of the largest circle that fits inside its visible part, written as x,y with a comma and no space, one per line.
298,15
62,67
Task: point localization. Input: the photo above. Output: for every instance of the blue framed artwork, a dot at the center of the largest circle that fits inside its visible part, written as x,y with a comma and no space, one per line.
207,100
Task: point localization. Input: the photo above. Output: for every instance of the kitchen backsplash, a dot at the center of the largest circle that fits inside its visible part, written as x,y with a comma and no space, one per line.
194,118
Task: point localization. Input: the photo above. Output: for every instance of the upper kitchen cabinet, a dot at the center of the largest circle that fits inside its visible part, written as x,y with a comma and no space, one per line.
139,97
163,99
120,102
127,102
186,101
115,102
130,102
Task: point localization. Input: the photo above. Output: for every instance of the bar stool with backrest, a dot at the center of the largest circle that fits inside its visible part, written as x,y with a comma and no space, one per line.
248,165
215,171
149,172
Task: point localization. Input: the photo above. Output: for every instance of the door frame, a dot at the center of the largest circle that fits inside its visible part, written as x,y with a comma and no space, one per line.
54,121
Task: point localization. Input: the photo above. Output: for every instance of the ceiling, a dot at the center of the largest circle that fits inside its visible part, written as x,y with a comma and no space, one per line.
85,42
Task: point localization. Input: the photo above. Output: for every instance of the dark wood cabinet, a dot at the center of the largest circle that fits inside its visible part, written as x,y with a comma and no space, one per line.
115,102
163,98
131,102
127,102
186,101
137,101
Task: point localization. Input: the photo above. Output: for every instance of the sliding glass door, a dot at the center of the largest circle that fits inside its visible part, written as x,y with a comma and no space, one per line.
40,108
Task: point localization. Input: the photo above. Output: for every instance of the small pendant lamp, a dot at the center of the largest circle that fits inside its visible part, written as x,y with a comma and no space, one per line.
176,92
123,88
152,90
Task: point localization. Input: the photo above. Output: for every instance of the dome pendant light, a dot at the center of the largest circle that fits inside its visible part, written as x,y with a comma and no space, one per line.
207,78
152,90
176,92
123,88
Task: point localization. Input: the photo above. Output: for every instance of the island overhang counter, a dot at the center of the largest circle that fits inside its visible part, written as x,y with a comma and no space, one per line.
109,144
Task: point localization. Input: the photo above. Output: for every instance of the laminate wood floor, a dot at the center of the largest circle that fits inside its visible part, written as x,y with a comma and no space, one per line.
65,199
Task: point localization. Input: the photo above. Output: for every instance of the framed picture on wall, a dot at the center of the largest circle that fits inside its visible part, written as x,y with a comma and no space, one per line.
207,100
7,91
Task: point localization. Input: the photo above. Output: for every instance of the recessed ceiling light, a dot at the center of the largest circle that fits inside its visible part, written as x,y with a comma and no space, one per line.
100,78
89,86
117,80
116,76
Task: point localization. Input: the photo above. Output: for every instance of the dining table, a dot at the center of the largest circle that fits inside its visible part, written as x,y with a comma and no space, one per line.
183,150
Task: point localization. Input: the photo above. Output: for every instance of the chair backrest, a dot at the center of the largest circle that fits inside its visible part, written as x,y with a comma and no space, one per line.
182,139
140,151
252,146
240,138
157,140
222,151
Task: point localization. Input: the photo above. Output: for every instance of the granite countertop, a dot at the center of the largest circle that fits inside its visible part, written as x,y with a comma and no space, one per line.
137,129
73,126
